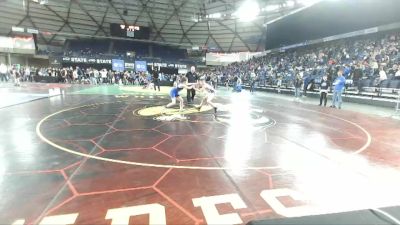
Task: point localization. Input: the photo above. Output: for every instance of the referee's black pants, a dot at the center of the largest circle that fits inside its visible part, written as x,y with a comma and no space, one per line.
156,84
323,98
190,95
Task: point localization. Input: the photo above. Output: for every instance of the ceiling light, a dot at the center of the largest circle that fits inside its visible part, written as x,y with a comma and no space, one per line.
308,2
215,15
248,11
270,8
290,3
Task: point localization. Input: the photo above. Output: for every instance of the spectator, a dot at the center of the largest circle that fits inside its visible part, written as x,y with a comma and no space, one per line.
104,76
338,84
397,75
94,74
252,81
297,87
382,78
357,75
27,74
3,73
17,77
307,82
324,89
279,83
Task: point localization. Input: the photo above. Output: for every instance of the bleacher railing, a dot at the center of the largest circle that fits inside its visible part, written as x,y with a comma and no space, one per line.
398,102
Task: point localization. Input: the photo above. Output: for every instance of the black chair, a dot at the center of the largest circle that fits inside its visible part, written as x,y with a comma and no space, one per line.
365,83
395,84
385,84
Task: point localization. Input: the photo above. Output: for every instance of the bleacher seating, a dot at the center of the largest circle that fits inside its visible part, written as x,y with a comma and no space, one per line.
168,53
119,49
360,57
140,49
87,47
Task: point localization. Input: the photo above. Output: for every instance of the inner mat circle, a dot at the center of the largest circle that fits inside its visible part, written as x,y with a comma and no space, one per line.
238,154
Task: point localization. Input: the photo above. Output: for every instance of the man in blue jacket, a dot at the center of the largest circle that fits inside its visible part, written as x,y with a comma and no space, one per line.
339,84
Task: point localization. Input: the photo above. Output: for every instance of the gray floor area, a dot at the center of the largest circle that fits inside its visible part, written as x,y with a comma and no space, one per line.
11,95
362,108
10,99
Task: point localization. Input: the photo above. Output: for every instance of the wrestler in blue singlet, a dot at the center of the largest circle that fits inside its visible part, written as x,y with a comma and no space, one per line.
175,91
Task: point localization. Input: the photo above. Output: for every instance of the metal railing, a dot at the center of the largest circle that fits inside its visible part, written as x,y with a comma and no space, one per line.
398,102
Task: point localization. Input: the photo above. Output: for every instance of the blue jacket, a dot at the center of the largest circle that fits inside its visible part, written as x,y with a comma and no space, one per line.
339,83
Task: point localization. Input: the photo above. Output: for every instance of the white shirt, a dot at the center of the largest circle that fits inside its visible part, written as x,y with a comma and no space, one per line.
397,73
375,65
382,75
3,68
103,74
208,88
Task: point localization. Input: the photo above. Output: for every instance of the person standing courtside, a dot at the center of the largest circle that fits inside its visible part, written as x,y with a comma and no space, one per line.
252,81
338,90
156,79
3,73
324,89
191,79
298,82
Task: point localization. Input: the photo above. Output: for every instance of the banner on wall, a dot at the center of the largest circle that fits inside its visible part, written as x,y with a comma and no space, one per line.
141,66
129,66
85,60
118,65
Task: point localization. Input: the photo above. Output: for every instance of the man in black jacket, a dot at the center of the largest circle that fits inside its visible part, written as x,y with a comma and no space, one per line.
357,76
191,78
156,79
324,89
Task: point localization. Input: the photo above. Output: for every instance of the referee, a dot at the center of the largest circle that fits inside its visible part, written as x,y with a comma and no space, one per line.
191,78
156,79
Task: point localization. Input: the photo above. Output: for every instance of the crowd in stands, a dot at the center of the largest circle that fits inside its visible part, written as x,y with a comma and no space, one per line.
371,61
368,61
77,75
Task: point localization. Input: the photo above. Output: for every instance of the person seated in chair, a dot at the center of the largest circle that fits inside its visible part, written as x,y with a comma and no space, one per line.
382,78
397,75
